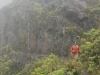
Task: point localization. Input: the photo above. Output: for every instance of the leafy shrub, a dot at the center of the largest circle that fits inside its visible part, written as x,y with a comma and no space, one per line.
53,66
91,50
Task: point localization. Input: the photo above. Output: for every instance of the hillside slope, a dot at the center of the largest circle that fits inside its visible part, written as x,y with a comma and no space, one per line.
31,29
43,26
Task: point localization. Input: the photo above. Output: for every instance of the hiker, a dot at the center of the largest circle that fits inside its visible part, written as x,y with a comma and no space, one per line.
75,50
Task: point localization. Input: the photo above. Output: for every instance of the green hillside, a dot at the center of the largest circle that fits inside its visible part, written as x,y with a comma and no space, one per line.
36,35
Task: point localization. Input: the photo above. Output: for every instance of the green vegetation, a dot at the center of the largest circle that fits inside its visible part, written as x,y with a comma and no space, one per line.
91,51
52,65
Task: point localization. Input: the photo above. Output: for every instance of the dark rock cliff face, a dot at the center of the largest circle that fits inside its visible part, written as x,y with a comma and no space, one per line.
42,26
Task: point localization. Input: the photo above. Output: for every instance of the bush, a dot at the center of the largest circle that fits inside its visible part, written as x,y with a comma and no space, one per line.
91,51
53,66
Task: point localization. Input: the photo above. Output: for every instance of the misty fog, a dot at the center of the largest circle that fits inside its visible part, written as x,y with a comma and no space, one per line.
4,3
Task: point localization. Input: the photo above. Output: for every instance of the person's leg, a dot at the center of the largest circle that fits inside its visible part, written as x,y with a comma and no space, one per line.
72,56
76,57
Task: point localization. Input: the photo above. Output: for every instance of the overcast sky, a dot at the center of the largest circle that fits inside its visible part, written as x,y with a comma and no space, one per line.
4,3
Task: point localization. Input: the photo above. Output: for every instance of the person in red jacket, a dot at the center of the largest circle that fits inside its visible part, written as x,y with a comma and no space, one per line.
75,50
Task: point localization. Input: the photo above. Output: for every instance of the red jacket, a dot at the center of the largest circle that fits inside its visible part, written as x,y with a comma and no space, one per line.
75,49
